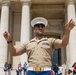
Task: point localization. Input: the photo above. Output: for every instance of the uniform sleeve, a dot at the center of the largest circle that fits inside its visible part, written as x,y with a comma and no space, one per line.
23,47
54,42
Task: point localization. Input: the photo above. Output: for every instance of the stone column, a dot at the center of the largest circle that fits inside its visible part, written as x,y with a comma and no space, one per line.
25,27
72,39
3,28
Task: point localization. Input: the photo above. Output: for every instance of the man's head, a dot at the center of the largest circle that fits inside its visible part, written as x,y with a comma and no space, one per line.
39,25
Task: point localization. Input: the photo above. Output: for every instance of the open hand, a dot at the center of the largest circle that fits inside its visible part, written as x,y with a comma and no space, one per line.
70,25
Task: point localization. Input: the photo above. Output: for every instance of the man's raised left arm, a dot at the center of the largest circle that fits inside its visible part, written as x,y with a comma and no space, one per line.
64,41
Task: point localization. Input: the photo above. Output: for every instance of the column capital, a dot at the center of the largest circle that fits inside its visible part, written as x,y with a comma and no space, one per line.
25,1
70,1
6,2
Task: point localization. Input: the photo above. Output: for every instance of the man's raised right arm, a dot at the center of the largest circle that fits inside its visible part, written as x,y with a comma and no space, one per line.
14,51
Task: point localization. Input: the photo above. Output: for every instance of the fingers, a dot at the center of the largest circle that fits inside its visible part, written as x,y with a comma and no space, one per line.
4,33
70,25
71,22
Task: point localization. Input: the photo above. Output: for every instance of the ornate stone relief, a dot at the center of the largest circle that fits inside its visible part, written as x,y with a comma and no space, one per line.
55,26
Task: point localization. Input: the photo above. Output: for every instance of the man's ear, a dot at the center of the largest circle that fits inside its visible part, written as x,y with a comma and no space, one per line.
33,27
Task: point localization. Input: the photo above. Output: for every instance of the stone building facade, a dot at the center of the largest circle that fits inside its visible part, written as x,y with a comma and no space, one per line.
15,17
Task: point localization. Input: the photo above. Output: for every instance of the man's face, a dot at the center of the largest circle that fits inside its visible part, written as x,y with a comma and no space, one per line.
39,29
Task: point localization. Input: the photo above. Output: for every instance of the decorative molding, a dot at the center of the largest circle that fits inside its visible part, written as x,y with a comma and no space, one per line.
70,2
55,26
26,2
5,2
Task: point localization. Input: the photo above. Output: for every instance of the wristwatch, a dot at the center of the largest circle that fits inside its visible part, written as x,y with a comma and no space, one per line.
9,41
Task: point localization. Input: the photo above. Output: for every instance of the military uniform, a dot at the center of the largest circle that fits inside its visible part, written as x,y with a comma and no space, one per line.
40,51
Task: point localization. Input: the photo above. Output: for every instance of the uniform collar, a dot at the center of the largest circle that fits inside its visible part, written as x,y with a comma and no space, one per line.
34,39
